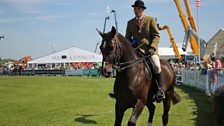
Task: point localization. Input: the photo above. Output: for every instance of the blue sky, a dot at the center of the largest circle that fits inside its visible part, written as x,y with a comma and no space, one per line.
31,27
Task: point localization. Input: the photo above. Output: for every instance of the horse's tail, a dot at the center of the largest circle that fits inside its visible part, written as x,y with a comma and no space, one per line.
175,98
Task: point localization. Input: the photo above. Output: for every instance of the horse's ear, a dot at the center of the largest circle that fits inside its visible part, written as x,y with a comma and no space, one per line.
101,33
113,31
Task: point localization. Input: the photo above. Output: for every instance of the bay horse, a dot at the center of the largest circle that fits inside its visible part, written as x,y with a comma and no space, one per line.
133,86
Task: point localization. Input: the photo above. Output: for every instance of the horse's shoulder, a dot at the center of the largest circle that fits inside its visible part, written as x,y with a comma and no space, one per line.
163,61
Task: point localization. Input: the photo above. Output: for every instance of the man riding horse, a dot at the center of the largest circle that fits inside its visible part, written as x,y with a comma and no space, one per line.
142,31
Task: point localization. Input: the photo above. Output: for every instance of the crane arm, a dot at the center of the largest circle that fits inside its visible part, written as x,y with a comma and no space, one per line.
175,49
191,32
190,16
194,45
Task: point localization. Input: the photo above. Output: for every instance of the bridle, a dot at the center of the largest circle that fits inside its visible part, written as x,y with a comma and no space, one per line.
120,66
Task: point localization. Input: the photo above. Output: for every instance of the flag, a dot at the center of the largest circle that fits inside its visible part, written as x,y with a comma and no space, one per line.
198,4
215,48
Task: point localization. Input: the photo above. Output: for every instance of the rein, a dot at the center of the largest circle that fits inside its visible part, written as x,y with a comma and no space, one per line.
139,46
119,65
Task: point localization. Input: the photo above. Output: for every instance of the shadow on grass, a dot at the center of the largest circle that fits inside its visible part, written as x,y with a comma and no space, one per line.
84,119
204,106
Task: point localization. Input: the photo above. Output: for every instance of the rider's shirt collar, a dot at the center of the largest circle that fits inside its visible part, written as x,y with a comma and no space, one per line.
138,17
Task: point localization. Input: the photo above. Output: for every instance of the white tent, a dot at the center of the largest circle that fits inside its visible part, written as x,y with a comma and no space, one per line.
70,55
168,53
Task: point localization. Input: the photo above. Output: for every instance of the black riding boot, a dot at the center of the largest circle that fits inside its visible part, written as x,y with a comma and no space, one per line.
160,95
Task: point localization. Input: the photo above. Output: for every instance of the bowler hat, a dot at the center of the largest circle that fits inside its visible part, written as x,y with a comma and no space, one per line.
139,3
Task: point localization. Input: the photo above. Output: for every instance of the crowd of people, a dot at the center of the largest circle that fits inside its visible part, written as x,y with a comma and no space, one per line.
209,66
16,69
64,66
210,63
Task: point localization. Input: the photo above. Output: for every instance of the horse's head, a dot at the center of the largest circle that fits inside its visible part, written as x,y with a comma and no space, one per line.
109,46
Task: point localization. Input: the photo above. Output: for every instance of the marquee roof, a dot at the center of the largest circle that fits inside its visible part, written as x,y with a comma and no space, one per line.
69,55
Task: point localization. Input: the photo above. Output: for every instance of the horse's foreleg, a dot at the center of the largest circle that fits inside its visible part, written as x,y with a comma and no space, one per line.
119,113
151,107
166,109
136,112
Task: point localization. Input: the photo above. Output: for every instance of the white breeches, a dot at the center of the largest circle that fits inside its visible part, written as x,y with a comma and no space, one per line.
156,62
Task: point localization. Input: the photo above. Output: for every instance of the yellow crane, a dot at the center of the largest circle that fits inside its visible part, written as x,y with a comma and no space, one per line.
193,42
193,31
190,16
175,49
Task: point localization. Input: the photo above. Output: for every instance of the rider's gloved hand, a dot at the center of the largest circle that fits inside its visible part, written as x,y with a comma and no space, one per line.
150,51
134,42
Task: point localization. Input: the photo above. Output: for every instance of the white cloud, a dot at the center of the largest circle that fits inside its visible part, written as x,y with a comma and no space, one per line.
35,6
20,3
48,19
51,18
27,6
26,3
13,20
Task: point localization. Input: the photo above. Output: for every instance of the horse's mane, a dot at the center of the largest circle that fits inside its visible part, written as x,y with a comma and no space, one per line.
126,44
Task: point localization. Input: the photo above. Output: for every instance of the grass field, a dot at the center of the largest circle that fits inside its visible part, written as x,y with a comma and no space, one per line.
83,101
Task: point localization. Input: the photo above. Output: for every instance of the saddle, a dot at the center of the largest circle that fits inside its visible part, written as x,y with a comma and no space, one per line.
149,71
149,66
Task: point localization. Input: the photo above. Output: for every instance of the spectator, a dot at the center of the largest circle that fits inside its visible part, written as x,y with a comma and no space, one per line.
216,63
192,66
212,74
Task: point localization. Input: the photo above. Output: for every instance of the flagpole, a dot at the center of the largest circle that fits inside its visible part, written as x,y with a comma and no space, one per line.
199,44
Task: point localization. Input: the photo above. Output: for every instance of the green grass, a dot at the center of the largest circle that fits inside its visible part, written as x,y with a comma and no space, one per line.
82,101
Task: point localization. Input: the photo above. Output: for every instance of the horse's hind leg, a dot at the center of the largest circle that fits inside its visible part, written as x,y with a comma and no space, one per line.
119,113
136,112
151,107
166,108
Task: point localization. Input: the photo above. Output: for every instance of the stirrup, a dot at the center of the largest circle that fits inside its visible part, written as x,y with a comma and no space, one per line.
160,95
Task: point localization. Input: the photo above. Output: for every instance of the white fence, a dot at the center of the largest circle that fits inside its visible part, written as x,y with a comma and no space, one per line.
197,79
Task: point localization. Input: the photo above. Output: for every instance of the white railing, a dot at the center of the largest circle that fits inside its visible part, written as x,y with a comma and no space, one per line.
196,79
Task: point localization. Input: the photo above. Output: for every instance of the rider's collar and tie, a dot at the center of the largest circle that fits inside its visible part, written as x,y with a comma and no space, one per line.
139,18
